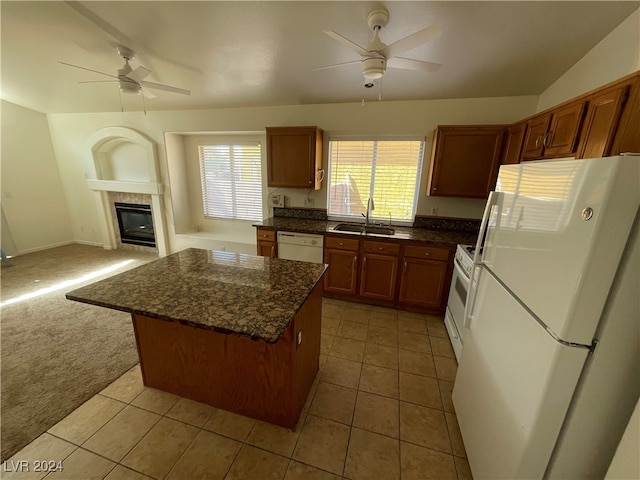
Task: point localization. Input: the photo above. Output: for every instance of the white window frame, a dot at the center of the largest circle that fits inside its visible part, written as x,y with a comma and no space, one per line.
353,219
259,166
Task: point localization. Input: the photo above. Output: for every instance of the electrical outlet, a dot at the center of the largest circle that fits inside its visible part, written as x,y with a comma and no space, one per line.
309,202
277,200
434,210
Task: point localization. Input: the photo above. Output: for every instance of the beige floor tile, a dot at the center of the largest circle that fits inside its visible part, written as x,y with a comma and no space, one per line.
457,445
124,473
380,355
160,449
323,444
253,463
384,317
326,341
419,463
372,456
436,328
121,433
379,380
334,402
156,401
377,414
358,313
127,387
332,310
356,331
87,419
312,391
83,465
441,346
383,336
414,341
191,412
420,390
209,457
348,349
463,469
342,372
446,388
412,324
230,424
275,439
45,447
419,316
330,325
424,426
300,471
446,368
416,362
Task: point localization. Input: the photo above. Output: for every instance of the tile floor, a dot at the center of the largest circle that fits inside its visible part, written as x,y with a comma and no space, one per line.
380,408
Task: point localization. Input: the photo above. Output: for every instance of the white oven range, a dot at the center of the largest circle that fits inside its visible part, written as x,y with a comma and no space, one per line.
454,316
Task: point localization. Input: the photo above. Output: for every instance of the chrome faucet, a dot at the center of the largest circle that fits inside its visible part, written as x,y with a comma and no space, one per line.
370,208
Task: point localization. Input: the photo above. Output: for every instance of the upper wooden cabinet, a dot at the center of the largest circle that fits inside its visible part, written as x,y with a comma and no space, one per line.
554,134
627,135
294,157
513,143
465,160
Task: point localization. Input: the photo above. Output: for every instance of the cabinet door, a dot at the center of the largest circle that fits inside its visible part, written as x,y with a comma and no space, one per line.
513,143
601,122
292,155
423,283
561,139
378,276
267,249
534,137
627,135
342,273
465,161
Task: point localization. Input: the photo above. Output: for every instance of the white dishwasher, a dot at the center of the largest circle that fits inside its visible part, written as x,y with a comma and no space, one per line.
300,246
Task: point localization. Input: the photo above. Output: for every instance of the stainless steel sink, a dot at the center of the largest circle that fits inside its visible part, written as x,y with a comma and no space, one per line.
350,227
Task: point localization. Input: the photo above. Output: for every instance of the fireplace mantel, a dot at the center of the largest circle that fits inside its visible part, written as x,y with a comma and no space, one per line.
125,187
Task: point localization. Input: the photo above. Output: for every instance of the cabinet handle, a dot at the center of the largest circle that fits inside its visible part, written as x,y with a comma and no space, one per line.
426,254
273,251
547,137
380,248
341,244
537,141
364,263
404,268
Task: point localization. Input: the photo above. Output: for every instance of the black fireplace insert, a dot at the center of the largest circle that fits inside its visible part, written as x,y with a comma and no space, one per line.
136,224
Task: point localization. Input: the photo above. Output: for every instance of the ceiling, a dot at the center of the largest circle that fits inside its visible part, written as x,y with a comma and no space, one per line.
264,53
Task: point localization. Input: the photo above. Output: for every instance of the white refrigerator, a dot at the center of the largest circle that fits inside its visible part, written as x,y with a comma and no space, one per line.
550,370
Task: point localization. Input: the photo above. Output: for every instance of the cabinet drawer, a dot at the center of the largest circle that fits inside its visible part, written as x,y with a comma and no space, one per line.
381,248
269,235
340,243
423,251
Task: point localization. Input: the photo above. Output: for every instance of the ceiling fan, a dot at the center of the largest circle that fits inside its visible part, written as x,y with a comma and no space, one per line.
377,56
131,80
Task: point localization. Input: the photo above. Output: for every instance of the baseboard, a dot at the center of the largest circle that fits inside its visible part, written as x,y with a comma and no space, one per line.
55,245
92,244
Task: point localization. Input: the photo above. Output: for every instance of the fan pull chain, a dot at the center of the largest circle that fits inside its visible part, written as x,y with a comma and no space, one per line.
144,105
120,96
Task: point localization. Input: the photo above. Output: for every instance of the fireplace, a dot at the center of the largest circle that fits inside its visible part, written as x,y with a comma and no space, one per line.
135,224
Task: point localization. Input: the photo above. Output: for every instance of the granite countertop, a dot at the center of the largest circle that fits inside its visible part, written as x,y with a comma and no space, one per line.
223,291
406,234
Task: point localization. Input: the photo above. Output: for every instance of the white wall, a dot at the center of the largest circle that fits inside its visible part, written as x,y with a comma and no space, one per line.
70,133
617,55
33,200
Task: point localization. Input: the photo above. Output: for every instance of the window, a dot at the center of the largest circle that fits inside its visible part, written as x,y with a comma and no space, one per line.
231,181
387,171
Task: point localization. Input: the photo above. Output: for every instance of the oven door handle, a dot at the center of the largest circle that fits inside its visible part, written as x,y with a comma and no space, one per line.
461,274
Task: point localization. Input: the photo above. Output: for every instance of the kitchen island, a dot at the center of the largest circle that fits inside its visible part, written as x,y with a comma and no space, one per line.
235,331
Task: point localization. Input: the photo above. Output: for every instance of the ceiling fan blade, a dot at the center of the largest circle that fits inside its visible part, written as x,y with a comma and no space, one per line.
410,64
407,43
88,69
148,93
337,65
346,42
110,30
168,88
138,74
100,81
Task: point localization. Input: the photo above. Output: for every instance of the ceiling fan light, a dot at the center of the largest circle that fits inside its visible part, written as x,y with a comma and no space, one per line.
373,68
130,87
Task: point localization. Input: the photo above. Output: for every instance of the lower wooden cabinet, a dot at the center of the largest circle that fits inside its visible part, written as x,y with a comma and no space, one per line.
341,254
266,242
378,277
422,283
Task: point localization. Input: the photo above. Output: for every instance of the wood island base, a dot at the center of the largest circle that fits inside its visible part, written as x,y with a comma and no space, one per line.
265,381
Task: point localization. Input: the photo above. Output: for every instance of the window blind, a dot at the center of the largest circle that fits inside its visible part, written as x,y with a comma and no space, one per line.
231,181
388,171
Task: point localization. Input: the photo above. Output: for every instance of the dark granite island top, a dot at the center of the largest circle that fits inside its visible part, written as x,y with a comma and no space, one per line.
223,291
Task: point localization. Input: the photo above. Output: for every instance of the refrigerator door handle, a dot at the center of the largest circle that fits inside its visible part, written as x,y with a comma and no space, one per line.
488,208
470,302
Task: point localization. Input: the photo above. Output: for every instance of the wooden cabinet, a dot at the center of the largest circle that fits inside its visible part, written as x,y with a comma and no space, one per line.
379,270
425,277
553,134
627,135
267,244
465,160
513,143
294,157
341,254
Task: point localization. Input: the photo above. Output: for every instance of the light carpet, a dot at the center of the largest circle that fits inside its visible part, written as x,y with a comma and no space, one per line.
55,353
